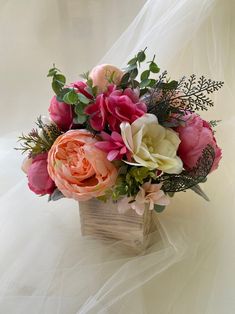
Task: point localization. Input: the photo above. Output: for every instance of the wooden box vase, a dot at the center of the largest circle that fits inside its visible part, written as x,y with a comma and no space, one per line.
103,221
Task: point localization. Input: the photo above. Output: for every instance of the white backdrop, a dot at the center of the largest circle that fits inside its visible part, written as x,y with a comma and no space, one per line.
74,34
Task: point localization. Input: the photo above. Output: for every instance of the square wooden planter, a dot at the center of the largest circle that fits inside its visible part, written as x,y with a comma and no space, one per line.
103,221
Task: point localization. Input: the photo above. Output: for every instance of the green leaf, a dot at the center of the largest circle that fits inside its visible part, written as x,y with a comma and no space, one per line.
145,75
79,109
169,86
55,196
56,87
154,67
80,119
145,83
52,72
125,78
132,61
60,78
159,208
197,189
83,99
131,67
71,97
141,56
135,84
61,94
152,83
134,73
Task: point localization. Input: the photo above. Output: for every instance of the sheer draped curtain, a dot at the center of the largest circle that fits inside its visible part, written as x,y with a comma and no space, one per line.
45,265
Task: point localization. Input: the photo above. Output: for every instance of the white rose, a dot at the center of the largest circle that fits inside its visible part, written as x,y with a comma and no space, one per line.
152,145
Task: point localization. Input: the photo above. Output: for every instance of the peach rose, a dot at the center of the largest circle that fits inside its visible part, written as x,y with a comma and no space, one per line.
101,75
79,169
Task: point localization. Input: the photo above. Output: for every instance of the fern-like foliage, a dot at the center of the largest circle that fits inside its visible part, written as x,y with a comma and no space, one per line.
191,93
39,141
187,179
176,97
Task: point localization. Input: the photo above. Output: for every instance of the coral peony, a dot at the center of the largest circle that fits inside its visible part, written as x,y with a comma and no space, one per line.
39,180
195,136
115,107
61,113
102,74
79,169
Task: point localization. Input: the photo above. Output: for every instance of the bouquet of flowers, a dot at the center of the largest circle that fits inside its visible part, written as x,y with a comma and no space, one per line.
133,136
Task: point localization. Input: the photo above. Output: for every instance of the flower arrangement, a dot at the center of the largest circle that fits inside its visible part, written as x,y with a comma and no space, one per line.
132,135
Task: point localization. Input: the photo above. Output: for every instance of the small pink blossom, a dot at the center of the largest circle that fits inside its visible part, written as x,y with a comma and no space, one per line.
113,145
148,195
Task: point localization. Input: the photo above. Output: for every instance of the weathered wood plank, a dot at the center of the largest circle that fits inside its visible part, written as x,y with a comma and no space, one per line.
102,220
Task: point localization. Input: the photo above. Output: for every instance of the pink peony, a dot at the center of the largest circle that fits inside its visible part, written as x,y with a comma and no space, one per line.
61,113
79,169
113,145
195,136
39,179
115,107
102,74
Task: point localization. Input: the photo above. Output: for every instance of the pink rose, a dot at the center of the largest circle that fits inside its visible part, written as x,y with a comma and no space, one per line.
195,136
102,74
39,180
115,107
61,113
79,169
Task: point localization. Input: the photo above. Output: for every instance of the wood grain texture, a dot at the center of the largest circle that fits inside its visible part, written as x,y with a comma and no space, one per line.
103,221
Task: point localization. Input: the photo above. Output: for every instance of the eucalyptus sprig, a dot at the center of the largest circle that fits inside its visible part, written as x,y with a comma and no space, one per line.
133,69
58,79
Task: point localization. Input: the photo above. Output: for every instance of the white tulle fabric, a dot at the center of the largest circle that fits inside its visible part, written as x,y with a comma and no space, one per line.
47,267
